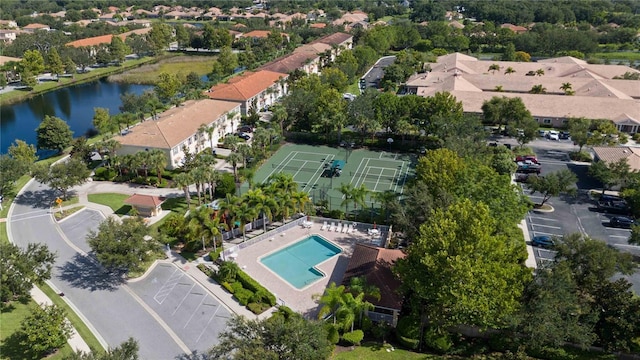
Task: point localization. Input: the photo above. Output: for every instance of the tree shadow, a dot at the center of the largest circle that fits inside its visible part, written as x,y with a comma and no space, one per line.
123,210
41,199
194,356
13,348
85,273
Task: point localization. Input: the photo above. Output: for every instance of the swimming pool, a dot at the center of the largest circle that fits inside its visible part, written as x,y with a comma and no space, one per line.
296,263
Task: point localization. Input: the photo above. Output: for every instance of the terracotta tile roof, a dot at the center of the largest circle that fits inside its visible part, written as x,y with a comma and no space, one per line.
318,25
334,39
105,39
36,26
244,87
6,59
147,201
315,48
375,265
262,34
614,154
176,124
291,62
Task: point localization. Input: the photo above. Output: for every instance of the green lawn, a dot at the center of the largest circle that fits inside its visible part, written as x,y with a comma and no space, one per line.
619,55
10,320
180,65
379,352
113,200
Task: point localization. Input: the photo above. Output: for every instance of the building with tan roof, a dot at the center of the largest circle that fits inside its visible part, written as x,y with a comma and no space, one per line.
307,61
515,28
35,27
105,39
596,93
258,89
178,127
145,205
262,34
614,154
6,59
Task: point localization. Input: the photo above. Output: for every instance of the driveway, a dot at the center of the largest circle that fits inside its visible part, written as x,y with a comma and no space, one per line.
108,304
376,72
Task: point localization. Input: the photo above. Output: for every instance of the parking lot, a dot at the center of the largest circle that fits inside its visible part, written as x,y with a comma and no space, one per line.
184,305
573,214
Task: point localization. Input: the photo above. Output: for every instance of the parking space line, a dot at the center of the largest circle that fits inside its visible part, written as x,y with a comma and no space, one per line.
617,229
545,233
547,226
208,322
542,218
618,236
195,311
627,245
168,286
181,301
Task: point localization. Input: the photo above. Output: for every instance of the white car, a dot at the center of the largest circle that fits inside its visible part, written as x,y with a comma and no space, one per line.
553,135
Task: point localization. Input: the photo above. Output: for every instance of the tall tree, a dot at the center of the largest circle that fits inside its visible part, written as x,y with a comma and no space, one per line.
160,37
118,49
21,269
45,330
53,133
553,184
127,350
122,246
167,86
55,62
579,130
458,252
101,120
63,175
23,152
33,62
275,338
228,60
611,174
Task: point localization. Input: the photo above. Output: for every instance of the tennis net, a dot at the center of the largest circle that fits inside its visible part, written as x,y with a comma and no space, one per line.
294,168
375,176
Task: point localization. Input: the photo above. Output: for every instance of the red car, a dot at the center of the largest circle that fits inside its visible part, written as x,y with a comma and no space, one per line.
525,158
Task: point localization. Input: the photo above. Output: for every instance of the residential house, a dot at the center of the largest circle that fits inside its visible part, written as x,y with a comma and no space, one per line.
145,205
318,25
515,28
31,28
349,18
262,34
8,24
307,61
260,89
59,14
375,265
96,41
235,35
341,41
595,93
142,22
9,36
283,20
614,154
178,127
145,14
108,16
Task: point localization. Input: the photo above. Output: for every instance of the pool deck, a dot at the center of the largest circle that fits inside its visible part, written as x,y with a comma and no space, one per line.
334,268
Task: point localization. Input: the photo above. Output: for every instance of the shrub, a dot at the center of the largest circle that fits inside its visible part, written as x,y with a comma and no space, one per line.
439,341
215,255
250,284
236,286
354,337
551,353
636,137
105,174
580,156
332,333
226,185
257,308
408,332
243,296
227,287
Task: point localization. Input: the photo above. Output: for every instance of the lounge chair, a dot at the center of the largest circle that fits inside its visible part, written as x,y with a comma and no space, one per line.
324,226
345,228
350,229
333,226
339,229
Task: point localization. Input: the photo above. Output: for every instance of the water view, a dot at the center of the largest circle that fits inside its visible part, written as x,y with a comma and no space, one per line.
74,104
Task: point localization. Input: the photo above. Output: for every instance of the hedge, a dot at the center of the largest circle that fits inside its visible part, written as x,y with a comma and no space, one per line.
235,286
250,284
243,296
408,332
257,308
228,287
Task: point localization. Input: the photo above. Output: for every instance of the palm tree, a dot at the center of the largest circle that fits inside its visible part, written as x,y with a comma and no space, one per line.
199,176
144,158
538,89
498,88
352,305
494,67
212,179
283,182
210,130
539,72
279,116
347,194
228,271
286,204
567,88
331,301
385,198
245,152
263,203
509,71
111,146
245,213
183,180
159,162
211,228
231,142
229,208
234,158
358,196
300,198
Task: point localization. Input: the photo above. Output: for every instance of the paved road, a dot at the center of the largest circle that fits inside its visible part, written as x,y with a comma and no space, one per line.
373,76
573,214
109,305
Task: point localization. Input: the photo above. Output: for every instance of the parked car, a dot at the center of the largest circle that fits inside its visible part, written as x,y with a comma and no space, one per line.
244,135
245,129
614,206
553,135
523,158
564,135
528,167
622,222
543,241
542,133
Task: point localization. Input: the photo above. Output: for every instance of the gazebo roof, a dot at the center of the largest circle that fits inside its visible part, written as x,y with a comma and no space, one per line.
144,200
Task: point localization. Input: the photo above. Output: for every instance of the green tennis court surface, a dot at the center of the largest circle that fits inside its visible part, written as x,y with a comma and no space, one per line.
312,167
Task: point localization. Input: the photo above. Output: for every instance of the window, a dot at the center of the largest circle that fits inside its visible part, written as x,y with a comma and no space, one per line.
546,121
565,121
175,150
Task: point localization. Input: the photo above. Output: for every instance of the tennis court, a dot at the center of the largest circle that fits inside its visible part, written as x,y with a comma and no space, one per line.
321,170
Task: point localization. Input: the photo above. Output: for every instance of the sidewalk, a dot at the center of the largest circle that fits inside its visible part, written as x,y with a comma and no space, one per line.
76,342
